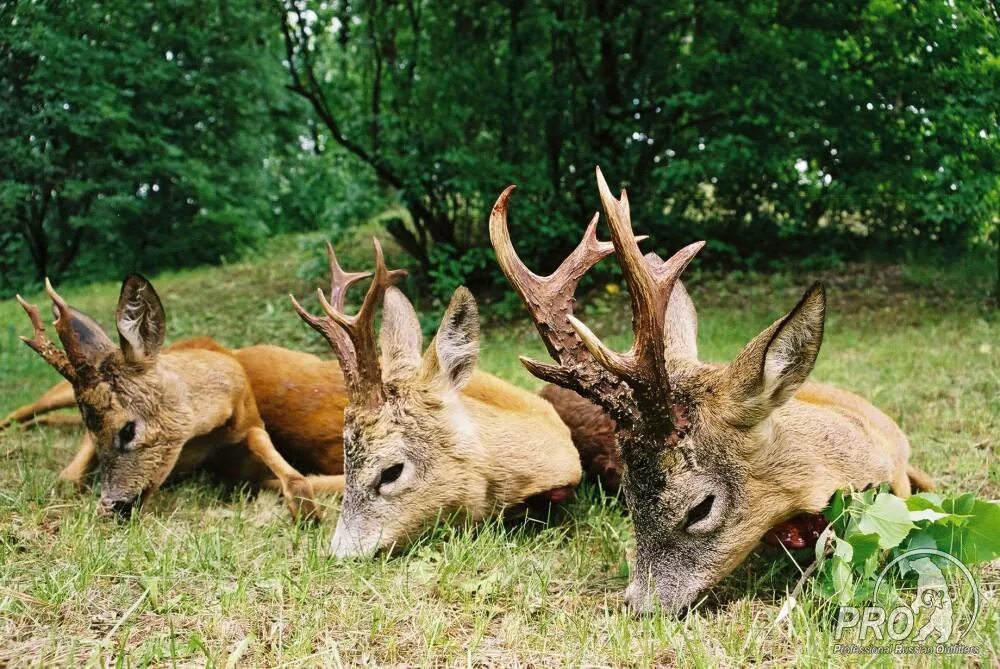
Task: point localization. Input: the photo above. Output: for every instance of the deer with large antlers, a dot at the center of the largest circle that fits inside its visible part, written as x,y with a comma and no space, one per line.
714,455
428,435
155,414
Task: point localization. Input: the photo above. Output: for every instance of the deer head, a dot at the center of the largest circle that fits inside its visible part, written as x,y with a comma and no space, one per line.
411,451
134,414
705,476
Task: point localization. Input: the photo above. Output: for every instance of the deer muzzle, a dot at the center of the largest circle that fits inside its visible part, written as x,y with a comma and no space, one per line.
119,506
354,540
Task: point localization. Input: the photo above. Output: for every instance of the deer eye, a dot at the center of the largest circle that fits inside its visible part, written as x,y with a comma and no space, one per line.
699,511
390,474
126,435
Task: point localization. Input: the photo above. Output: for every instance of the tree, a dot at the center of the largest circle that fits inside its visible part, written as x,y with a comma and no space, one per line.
769,127
132,134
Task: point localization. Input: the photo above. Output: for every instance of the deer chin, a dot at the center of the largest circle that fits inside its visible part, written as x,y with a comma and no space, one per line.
359,540
671,593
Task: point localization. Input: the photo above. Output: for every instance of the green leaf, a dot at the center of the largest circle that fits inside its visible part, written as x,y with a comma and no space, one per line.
920,539
868,496
864,546
843,581
961,505
983,531
924,500
978,540
843,549
888,518
929,514
835,509
825,537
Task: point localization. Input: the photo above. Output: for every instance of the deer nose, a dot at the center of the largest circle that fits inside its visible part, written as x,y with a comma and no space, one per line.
638,598
122,507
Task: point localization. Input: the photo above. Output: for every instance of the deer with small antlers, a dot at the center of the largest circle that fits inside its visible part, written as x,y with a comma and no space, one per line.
426,435
714,455
155,414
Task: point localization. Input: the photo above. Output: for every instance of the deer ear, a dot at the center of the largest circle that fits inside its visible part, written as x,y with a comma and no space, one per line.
682,325
92,340
400,338
455,351
142,323
777,362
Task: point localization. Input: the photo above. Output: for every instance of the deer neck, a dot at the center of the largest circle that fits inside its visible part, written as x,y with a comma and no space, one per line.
526,449
202,390
813,450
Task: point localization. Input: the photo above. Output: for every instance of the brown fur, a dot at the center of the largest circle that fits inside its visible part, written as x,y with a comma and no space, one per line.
714,455
762,443
593,432
439,437
152,415
301,400
299,396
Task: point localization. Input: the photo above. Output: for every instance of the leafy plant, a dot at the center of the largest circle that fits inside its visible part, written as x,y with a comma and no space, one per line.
871,528
772,129
136,136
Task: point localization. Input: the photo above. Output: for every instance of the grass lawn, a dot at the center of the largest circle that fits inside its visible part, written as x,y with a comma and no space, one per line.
206,577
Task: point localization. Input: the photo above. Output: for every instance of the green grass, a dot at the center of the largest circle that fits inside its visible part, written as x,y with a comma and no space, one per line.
205,577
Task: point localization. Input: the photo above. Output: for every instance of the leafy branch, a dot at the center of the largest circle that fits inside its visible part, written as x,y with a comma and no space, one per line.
872,528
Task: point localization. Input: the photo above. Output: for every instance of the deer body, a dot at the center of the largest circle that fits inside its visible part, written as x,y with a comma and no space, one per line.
425,433
301,398
471,443
517,437
816,436
153,414
713,456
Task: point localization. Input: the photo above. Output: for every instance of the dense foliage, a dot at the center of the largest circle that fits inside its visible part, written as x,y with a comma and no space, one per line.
133,135
770,128
155,135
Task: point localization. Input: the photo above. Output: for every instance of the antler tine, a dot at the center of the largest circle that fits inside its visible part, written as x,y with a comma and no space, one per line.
633,387
353,337
550,302
340,281
84,369
650,284
42,345
335,336
361,326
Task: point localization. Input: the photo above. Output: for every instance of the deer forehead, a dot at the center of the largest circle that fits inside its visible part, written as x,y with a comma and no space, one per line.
119,397
413,420
97,404
710,396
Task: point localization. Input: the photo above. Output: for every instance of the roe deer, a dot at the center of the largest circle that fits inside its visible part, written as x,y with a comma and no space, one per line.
153,414
430,435
299,396
715,455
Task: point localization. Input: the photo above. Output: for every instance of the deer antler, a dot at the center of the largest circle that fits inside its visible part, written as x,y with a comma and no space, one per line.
353,337
550,301
341,281
43,346
650,283
628,385
76,359
77,351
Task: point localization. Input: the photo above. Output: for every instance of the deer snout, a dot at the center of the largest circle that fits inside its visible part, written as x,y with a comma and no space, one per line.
670,591
348,542
639,598
120,507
